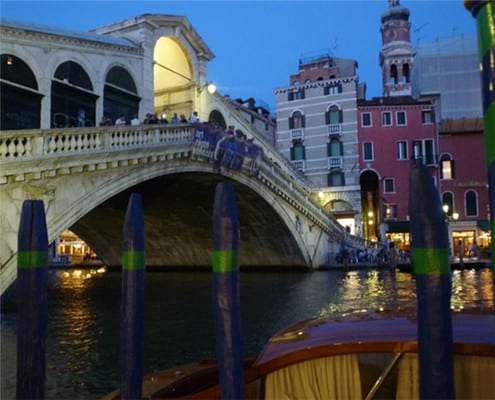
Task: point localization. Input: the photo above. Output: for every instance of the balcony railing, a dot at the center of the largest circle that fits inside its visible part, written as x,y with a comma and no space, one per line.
300,165
297,134
334,129
335,162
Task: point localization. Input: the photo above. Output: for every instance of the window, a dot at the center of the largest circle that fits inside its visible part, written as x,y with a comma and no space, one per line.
333,116
401,118
334,148
332,89
389,185
390,211
448,202
386,118
366,119
471,202
402,150
424,149
427,117
336,179
296,95
368,151
296,121
446,167
297,151
393,74
405,73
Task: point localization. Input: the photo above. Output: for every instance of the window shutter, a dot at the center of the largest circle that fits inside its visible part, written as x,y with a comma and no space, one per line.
291,123
326,91
341,116
340,87
292,153
290,96
452,166
303,121
327,117
302,93
303,152
329,149
341,148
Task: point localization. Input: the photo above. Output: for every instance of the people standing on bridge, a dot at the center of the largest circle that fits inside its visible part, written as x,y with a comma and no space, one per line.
121,120
135,120
183,119
194,117
105,121
175,119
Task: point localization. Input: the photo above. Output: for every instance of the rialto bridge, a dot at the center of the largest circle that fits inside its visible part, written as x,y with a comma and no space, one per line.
84,173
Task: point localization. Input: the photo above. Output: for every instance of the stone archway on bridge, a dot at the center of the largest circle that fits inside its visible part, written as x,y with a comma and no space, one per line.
345,214
216,117
173,77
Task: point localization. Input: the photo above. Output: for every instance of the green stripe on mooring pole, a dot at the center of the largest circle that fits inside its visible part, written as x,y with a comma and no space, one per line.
132,303
431,266
32,314
225,293
484,12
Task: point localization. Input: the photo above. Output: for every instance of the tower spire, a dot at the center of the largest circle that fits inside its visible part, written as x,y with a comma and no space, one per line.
397,54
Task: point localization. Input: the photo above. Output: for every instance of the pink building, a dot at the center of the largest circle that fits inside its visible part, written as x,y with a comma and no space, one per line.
392,132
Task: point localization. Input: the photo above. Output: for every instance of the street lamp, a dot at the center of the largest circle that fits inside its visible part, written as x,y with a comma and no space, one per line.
210,87
449,218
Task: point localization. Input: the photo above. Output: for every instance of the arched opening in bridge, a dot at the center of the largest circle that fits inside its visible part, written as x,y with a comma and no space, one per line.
370,204
20,100
173,76
73,102
344,213
216,117
120,94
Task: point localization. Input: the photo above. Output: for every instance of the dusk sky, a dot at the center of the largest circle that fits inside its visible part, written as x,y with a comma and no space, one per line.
258,44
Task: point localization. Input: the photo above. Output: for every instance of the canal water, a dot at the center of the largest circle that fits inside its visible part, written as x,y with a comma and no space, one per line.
84,311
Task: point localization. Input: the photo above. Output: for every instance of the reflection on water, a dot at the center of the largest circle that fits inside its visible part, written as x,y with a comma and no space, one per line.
84,313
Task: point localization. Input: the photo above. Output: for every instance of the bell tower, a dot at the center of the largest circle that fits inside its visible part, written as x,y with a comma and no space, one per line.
397,54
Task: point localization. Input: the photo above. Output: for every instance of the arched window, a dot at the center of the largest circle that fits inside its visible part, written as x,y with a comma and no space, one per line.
120,94
297,151
448,202
19,101
333,115
405,73
296,120
393,74
446,167
335,148
73,103
471,202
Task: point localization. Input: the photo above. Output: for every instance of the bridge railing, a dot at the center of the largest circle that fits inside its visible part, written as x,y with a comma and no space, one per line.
26,144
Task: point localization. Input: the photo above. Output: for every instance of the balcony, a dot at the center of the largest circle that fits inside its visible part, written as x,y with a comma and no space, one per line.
297,134
334,129
300,165
335,162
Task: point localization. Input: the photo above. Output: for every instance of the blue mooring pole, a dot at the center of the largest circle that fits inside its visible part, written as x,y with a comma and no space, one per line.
225,291
132,312
431,265
32,314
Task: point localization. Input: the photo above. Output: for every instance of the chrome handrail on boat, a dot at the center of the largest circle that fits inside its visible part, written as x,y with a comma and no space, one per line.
390,366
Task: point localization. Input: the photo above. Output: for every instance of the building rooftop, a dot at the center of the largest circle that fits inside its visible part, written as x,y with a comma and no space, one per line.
461,125
50,30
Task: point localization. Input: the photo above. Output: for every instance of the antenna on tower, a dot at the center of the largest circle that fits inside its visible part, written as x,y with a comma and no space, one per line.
335,43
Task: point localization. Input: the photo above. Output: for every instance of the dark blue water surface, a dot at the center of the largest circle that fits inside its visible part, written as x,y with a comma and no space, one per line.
84,312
